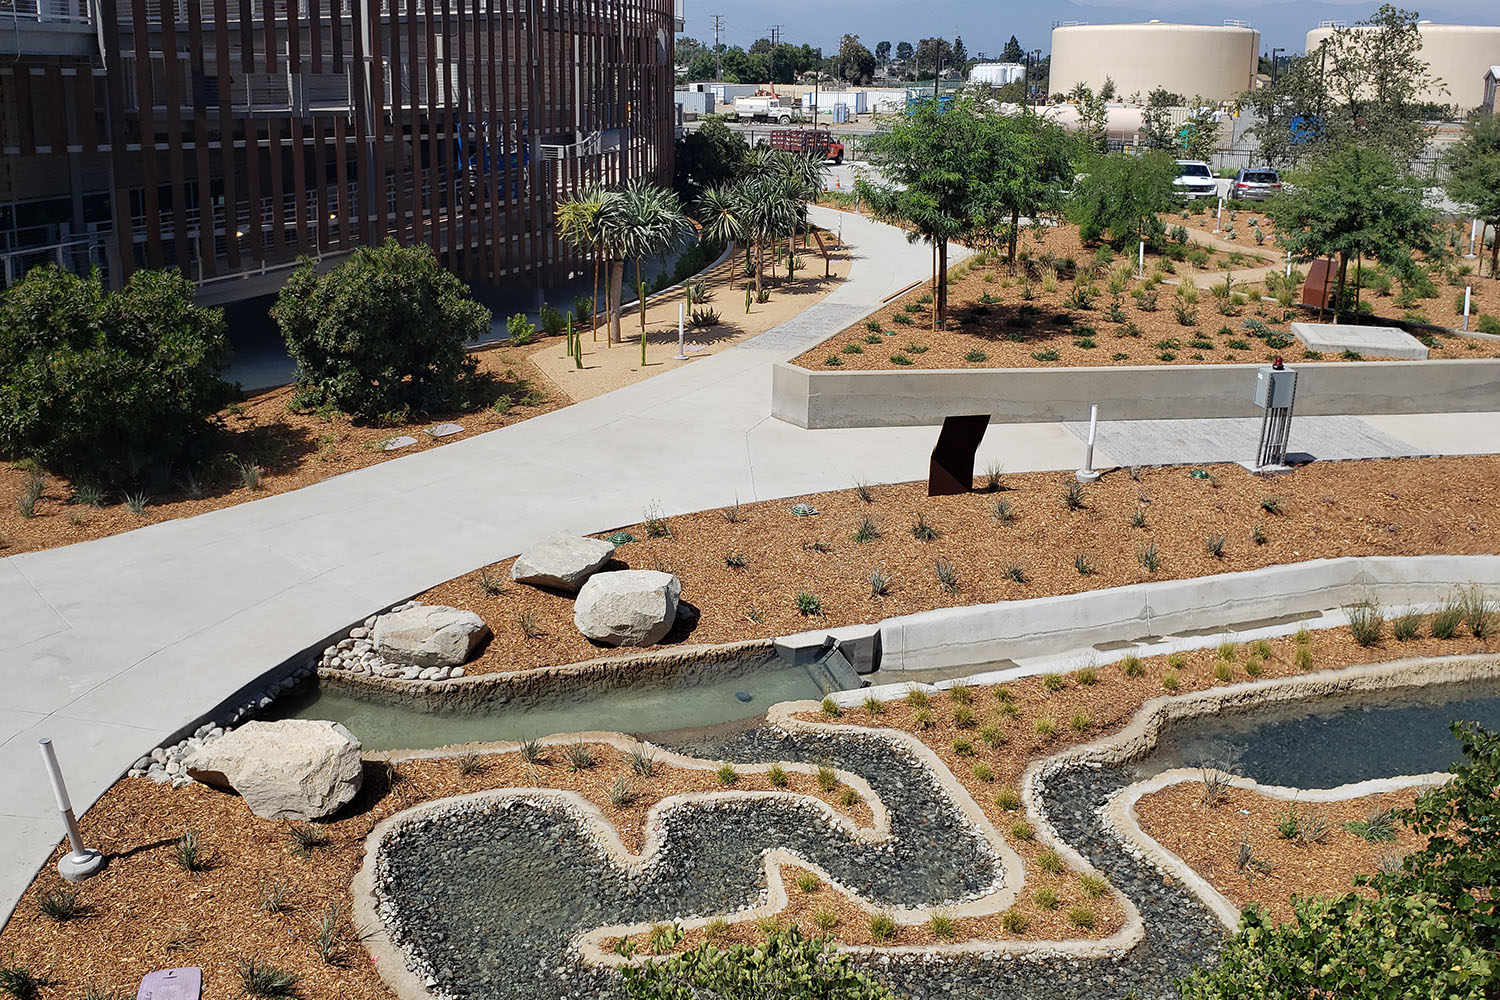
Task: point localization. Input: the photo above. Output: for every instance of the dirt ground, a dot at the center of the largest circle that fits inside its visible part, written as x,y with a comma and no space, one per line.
609,366
1389,507
291,449
1033,318
1208,839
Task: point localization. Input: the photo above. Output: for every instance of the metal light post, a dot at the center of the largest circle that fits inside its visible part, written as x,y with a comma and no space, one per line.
1274,64
80,862
1036,57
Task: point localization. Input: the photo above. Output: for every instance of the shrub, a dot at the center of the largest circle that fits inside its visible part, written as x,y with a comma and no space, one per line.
828,778
1171,681
777,776
1053,683
1447,619
880,583
60,904
829,707
976,356
1366,623
1049,861
1014,921
982,772
1081,916
963,717
580,756
1378,827
262,979
808,604
963,747
1093,886
1407,626
108,387
874,706
1480,613
1008,799
704,318
1489,324
1045,898
1131,665
882,927
1045,727
727,775
553,321
383,332
922,531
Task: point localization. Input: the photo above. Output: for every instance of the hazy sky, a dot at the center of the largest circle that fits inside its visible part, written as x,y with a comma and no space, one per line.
986,25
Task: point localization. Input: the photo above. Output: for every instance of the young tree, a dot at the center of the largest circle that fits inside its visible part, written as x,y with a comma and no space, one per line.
1107,89
1474,176
1120,196
1157,129
903,51
1360,86
646,220
1093,120
580,226
383,332
1013,52
1200,132
1354,203
108,388
940,173
1033,173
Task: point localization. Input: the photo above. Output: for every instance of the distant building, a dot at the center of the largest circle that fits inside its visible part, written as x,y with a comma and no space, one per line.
1215,62
1456,54
1491,82
997,74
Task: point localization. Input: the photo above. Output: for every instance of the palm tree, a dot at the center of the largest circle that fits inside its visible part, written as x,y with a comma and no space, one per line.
809,172
580,224
639,222
770,209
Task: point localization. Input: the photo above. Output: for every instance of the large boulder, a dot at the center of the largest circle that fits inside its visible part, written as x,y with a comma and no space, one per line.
563,561
632,607
428,636
292,769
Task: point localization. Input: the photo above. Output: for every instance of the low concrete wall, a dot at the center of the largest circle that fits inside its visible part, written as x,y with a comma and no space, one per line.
823,399
955,637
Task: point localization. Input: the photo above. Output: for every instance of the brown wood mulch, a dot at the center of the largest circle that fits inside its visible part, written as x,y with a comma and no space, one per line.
1208,839
292,449
1326,509
992,324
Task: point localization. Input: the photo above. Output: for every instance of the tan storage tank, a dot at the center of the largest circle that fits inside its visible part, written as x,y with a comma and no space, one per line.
1457,54
1216,62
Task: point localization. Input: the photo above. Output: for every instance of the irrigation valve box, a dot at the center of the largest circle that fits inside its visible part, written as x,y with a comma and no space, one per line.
1274,389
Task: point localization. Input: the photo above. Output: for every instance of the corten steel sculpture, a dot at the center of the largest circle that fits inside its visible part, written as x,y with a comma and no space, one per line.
1318,289
952,468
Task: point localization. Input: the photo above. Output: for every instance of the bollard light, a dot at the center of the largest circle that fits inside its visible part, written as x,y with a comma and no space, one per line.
1140,261
1473,235
1288,263
1087,474
681,355
80,862
1219,219
1467,290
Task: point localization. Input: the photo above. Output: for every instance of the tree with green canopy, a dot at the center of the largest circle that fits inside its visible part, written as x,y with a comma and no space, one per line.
1013,52
1474,176
1355,203
1120,196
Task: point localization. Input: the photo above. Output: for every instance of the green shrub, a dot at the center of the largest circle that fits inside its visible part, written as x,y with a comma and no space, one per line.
383,332
1488,324
552,321
108,387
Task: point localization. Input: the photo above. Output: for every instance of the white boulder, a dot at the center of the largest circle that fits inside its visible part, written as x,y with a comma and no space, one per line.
632,607
292,769
428,636
562,561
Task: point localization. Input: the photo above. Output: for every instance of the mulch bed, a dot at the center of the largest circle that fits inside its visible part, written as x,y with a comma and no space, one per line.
292,450
992,323
1326,509
1208,839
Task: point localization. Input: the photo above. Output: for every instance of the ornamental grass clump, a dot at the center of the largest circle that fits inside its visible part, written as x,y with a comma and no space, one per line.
1366,622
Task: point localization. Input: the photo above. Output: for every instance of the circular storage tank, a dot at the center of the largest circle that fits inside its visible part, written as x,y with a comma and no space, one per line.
1214,62
1457,54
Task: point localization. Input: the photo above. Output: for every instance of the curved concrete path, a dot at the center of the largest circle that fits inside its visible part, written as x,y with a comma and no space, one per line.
111,646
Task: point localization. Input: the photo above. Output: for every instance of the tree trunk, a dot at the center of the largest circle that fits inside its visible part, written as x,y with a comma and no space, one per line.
1338,295
594,298
942,292
1359,282
616,292
1494,247
760,265
1015,229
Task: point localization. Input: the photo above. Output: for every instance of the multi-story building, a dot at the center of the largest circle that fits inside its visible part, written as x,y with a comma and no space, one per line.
229,138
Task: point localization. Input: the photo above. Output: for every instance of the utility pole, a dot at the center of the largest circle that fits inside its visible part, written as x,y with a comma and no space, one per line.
718,52
1274,63
776,30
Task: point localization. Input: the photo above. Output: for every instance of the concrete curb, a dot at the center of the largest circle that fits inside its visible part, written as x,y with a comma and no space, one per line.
1120,817
829,399
951,637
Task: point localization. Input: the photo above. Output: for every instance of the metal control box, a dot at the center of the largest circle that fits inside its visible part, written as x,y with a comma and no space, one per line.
1274,389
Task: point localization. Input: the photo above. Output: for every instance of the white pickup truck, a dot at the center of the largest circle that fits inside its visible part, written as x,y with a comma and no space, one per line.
762,109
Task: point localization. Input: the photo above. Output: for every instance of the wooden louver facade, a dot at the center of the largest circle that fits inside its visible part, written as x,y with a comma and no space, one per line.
241,135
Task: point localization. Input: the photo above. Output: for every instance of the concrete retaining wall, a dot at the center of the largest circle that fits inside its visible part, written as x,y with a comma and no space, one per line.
956,637
822,399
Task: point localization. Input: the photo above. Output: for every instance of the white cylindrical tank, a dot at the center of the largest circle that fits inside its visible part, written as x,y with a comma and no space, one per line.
997,74
1457,54
1216,62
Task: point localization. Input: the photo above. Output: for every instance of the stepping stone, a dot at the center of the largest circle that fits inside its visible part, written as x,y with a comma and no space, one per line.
397,443
444,430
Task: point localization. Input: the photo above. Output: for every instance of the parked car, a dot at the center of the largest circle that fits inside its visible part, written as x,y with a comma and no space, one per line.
1255,184
1195,180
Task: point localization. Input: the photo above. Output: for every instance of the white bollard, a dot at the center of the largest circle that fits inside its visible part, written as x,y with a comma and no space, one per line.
1140,261
1467,290
681,307
1219,219
1473,235
80,862
1288,263
1087,474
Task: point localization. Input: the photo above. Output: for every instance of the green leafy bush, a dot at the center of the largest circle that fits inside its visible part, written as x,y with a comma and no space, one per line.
108,388
383,332
785,964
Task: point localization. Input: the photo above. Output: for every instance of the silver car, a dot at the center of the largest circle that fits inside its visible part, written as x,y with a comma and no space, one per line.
1255,184
1195,180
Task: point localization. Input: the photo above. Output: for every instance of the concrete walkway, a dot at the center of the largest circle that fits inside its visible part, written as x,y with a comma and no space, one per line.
111,646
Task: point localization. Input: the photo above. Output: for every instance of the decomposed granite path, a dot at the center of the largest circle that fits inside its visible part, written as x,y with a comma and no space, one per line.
110,646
